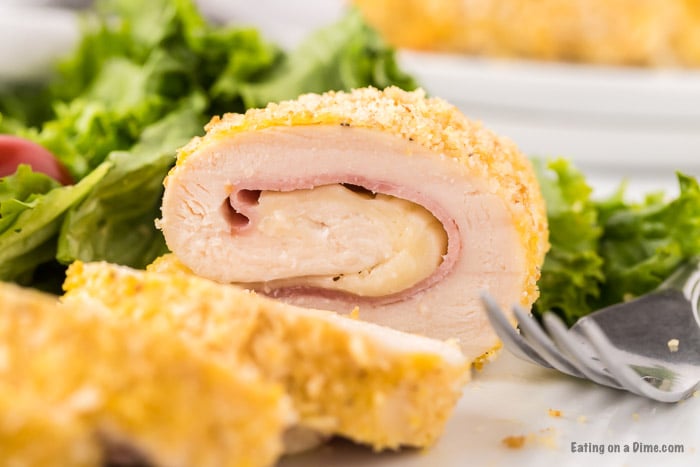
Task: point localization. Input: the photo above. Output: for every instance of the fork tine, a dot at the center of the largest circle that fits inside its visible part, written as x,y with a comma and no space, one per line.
544,346
579,355
505,331
624,374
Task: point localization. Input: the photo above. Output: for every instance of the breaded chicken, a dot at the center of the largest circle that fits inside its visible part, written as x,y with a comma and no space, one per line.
387,200
80,388
345,377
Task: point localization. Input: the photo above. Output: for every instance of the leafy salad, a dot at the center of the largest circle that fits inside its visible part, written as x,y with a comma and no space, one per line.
607,251
147,76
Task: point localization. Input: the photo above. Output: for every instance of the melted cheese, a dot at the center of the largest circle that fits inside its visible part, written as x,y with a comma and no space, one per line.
336,238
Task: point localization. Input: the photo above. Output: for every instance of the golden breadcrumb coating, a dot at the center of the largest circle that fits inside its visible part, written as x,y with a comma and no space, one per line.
370,384
430,122
617,32
170,264
76,384
36,434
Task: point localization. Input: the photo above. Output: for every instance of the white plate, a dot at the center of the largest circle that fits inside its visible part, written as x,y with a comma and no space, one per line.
628,120
510,398
31,38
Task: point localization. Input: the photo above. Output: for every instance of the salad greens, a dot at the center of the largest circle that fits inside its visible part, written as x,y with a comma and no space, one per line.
572,271
144,79
607,251
31,219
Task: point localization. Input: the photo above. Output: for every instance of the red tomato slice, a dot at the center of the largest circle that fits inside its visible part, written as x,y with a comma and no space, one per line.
15,151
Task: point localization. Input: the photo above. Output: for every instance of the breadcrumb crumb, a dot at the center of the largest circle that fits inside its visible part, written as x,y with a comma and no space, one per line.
514,442
545,437
673,345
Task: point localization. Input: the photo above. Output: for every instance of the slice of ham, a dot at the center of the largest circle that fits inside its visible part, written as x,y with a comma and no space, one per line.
483,217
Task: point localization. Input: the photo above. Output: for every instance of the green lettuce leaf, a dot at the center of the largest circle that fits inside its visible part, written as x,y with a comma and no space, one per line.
23,105
572,271
607,251
108,117
342,56
644,242
115,222
29,239
18,193
134,65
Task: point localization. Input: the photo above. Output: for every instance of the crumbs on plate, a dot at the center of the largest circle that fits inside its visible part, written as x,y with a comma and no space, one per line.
514,442
673,345
546,437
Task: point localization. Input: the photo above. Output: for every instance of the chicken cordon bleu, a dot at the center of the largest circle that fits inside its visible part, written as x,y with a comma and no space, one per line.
657,33
384,200
371,384
78,388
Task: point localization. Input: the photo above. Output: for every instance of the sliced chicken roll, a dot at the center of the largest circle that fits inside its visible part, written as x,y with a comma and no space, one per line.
386,200
345,377
78,388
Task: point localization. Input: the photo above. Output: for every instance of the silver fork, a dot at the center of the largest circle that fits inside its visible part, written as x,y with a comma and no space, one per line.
649,346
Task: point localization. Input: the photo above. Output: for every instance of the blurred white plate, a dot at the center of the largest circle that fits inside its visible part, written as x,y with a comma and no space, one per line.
624,119
31,38
34,32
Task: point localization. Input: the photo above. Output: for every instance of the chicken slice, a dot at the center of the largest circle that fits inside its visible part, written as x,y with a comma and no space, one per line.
450,209
79,388
345,377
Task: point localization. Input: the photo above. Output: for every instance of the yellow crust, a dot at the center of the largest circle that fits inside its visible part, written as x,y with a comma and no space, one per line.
170,264
486,357
341,378
35,434
70,378
430,122
620,32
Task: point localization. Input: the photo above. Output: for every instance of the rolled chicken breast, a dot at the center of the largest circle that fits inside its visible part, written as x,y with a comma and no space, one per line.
344,377
384,200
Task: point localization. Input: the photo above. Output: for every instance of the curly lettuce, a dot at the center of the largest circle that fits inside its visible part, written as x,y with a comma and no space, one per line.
572,272
607,251
644,242
32,208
